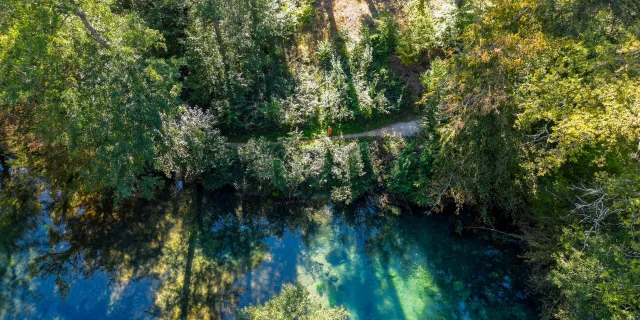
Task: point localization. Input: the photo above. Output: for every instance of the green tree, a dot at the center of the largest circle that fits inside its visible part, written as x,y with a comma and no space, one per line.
294,302
81,95
539,117
194,148
236,59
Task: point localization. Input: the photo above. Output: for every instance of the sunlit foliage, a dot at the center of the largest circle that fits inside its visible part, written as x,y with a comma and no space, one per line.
531,109
540,119
236,53
429,26
193,147
294,302
79,86
343,170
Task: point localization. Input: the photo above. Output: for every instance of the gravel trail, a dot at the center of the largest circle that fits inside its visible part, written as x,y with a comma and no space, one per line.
400,129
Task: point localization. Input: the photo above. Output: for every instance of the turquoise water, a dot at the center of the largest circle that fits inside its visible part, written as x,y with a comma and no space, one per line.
201,256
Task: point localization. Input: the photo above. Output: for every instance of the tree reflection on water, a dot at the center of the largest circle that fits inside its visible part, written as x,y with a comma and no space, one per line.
194,247
195,255
18,207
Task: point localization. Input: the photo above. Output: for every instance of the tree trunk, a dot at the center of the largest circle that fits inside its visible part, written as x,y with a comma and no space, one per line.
5,167
221,46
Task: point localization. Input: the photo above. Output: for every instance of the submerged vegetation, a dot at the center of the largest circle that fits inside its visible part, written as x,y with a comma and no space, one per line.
531,126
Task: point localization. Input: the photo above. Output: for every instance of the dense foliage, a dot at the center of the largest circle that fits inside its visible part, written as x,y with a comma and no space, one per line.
531,116
539,124
80,87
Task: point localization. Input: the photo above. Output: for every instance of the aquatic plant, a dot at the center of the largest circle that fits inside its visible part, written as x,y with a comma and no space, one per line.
320,288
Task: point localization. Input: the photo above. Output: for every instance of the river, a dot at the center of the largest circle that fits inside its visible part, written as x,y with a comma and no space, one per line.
200,255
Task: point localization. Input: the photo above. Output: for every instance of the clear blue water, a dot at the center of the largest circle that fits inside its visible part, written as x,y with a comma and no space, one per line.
199,256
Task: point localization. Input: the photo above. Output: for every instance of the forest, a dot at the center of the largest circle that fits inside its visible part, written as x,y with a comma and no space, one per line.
529,117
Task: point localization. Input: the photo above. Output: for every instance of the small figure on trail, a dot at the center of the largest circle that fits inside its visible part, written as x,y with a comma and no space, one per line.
329,130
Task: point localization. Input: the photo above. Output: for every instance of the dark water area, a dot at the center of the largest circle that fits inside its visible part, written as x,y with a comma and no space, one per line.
190,254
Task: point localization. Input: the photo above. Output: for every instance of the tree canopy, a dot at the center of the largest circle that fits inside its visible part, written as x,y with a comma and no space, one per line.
531,116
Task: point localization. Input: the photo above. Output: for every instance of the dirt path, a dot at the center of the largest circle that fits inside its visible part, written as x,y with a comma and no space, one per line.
400,129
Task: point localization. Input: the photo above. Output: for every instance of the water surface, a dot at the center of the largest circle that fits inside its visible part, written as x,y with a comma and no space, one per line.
202,255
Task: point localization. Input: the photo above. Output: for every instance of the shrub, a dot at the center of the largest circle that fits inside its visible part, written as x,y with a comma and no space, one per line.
334,99
384,39
192,146
294,302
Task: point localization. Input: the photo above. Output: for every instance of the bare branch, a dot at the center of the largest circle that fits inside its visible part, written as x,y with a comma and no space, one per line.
519,16
592,207
543,136
83,16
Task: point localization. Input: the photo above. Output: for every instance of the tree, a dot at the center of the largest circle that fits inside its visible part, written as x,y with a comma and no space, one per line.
294,302
193,147
539,117
234,51
79,88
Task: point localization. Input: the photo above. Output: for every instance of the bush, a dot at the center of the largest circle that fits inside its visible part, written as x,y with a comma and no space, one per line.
345,171
305,13
192,147
294,302
260,164
334,98
371,99
384,39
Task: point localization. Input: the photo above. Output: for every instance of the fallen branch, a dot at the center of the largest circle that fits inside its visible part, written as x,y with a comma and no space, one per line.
498,231
519,16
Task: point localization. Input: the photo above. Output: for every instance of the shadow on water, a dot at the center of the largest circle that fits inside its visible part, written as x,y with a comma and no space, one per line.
361,280
192,254
386,296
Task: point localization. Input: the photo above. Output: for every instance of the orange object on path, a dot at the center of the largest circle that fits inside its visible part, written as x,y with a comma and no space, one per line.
329,130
